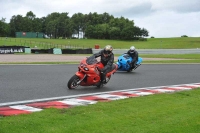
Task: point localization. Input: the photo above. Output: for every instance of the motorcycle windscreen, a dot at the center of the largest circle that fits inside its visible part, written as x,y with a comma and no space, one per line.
91,60
126,56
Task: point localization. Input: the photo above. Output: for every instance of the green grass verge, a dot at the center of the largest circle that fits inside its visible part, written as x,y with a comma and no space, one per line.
160,113
151,43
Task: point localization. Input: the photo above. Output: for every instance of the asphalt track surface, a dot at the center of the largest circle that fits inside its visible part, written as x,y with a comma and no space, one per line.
29,82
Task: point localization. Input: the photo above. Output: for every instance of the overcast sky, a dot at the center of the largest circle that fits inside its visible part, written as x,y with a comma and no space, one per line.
162,18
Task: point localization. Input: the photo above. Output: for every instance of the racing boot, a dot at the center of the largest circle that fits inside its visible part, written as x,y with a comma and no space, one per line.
102,82
136,66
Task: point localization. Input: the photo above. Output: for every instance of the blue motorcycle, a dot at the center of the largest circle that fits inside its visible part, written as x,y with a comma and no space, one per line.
124,61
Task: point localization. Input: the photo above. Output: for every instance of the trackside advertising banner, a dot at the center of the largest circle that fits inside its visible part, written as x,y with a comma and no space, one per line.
11,49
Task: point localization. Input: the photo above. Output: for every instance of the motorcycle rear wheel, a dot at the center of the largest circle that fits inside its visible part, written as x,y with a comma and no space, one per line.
72,83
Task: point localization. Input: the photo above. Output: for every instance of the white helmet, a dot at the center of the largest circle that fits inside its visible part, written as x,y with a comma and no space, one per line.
132,49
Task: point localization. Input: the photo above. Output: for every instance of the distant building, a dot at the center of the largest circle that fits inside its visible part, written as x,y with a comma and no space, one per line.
29,35
76,35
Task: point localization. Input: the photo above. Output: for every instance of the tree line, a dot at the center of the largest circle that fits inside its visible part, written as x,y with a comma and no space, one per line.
92,25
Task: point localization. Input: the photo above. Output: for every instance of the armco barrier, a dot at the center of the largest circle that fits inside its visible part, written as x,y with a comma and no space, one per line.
77,51
50,51
40,51
68,51
22,49
84,51
62,51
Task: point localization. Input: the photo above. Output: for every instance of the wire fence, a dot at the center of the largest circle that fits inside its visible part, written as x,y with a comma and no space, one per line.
37,44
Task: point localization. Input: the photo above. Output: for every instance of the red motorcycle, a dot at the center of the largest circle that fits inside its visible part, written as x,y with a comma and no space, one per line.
88,74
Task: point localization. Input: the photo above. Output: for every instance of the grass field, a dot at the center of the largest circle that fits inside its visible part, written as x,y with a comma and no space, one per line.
160,113
151,43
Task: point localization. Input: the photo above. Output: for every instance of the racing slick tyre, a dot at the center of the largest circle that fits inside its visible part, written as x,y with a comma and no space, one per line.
72,83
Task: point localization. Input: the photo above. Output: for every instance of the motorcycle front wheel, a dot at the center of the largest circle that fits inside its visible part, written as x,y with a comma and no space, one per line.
72,83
